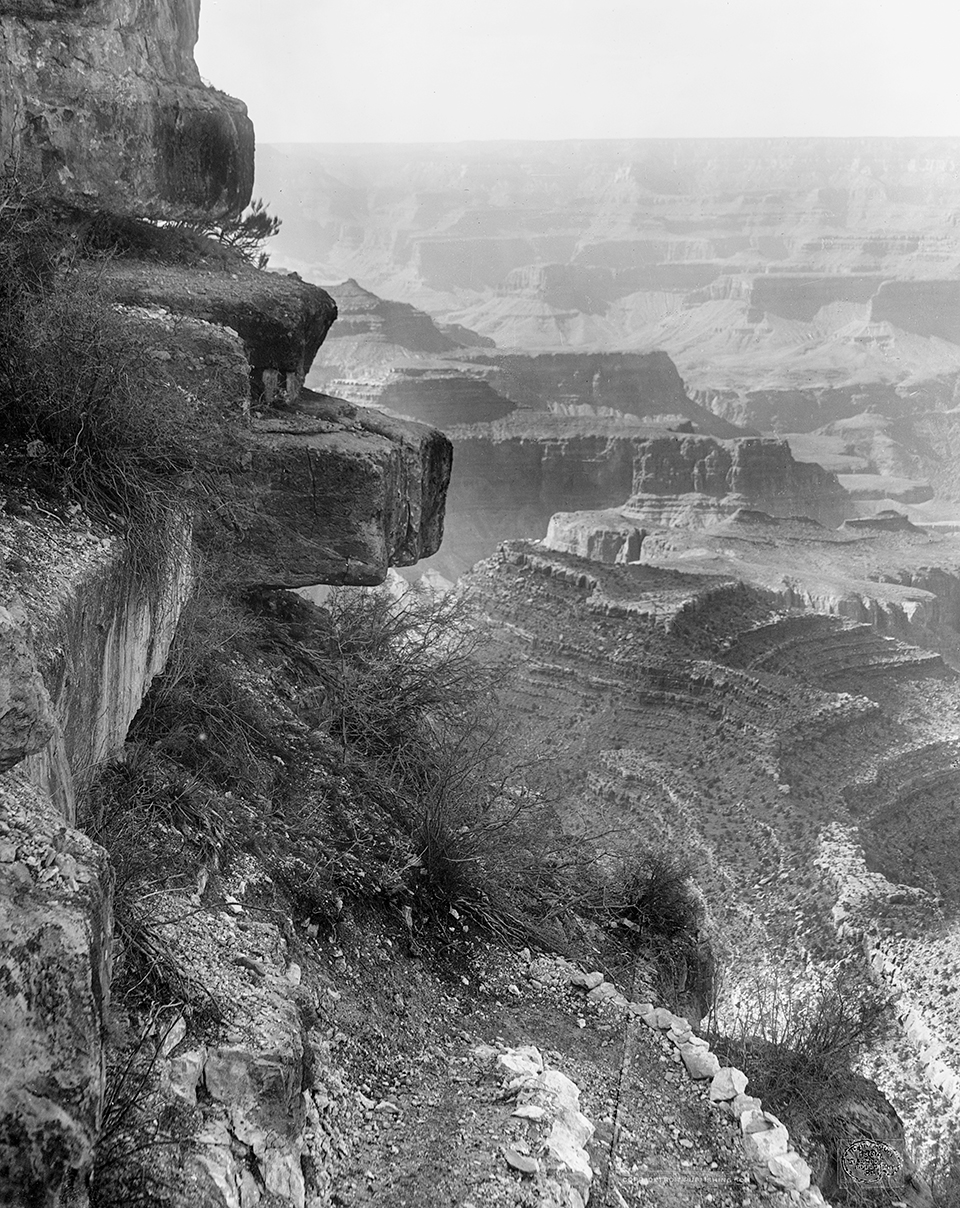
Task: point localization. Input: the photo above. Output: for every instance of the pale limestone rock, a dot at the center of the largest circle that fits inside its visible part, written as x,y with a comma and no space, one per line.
680,1033
586,981
700,1062
524,1061
603,992
728,1083
744,1103
764,1137
571,1129
789,1171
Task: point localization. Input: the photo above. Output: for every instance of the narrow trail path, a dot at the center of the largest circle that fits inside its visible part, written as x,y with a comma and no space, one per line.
427,1127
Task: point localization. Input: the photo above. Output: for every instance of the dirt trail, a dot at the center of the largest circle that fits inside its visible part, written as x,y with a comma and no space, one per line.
424,1120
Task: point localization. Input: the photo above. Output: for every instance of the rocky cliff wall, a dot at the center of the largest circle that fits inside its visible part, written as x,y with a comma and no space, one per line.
101,103
97,631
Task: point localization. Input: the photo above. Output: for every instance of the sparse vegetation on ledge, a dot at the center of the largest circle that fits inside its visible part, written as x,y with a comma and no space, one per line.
89,421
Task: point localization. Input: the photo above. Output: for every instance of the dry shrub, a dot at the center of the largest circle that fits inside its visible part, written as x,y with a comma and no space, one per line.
798,1035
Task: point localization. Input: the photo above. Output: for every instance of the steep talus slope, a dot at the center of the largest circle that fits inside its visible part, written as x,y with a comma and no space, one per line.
101,103
763,738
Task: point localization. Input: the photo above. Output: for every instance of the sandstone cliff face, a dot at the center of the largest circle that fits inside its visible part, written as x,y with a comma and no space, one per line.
94,632
694,480
83,637
644,385
101,103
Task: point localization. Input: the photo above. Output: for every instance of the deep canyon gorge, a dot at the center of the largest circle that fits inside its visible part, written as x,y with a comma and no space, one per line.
670,430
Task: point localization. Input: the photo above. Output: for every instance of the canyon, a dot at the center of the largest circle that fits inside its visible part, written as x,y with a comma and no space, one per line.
779,702
680,417
793,282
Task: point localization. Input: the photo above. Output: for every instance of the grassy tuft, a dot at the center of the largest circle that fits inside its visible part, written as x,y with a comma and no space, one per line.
88,421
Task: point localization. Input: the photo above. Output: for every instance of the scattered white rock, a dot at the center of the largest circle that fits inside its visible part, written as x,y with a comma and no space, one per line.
521,1161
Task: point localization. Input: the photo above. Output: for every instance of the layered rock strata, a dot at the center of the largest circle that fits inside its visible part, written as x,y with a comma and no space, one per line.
511,479
101,103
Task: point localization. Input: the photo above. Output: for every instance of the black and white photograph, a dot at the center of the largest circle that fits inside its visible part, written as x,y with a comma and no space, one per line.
479,604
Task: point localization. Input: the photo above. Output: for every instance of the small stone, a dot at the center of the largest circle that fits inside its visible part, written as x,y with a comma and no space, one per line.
529,1111
255,966
520,1161
385,1105
587,981
8,853
294,974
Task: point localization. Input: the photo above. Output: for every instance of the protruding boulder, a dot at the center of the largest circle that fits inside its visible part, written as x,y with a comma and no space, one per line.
346,493
101,102
728,1084
281,319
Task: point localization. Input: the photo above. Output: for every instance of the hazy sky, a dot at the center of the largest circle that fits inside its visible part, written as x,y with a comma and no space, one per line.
442,70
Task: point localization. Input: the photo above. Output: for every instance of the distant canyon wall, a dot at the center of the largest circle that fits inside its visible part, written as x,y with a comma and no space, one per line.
798,266
509,485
